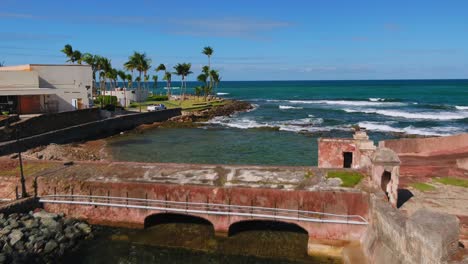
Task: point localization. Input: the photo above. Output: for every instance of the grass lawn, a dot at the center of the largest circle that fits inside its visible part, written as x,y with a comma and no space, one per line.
192,103
452,181
423,187
348,178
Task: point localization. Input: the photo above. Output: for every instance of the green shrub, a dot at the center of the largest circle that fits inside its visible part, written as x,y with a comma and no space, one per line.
106,100
5,113
348,178
157,98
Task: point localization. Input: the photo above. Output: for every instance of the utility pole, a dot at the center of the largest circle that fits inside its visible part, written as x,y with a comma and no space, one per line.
20,158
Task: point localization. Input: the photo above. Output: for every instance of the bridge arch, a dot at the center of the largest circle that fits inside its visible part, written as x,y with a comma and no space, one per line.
166,218
264,225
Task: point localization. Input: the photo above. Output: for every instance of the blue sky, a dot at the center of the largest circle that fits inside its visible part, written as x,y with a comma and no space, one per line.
253,40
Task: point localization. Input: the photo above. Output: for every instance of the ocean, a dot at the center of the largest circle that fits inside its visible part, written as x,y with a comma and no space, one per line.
289,116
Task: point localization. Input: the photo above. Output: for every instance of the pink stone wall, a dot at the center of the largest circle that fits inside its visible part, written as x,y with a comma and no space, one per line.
330,153
351,203
426,145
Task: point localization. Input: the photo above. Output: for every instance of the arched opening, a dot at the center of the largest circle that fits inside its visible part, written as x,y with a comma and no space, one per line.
264,225
176,230
386,178
168,218
268,238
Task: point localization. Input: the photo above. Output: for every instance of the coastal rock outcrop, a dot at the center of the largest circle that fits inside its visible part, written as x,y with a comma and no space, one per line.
228,109
38,237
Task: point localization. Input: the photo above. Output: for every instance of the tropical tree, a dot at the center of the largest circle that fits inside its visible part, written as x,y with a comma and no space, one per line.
155,82
183,70
140,62
77,56
167,77
208,51
129,80
203,78
68,51
145,80
214,74
123,76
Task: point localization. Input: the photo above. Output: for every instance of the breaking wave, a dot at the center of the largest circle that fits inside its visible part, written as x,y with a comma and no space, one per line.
433,131
297,125
460,107
222,93
411,115
284,107
347,103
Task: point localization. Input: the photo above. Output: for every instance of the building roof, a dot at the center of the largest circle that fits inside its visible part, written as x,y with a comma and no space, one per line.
27,67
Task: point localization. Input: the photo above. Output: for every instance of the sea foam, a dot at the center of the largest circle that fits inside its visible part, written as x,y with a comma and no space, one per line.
284,107
347,103
411,115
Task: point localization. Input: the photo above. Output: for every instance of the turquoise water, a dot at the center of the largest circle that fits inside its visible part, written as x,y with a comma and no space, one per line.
291,115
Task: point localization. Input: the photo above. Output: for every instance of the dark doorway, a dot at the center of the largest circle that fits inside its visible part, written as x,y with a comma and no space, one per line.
264,225
386,177
166,218
347,159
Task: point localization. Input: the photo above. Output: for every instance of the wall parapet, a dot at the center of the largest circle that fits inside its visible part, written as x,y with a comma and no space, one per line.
91,130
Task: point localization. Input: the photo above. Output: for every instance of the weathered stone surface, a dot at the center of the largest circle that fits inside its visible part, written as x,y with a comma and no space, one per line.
15,236
433,236
44,214
51,245
426,237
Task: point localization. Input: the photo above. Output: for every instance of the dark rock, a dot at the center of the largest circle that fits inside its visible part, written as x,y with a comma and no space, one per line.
7,249
43,214
3,258
50,246
84,227
13,223
15,236
14,156
19,246
5,231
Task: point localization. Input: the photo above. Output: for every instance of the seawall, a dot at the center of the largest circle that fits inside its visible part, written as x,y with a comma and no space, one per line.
427,145
91,130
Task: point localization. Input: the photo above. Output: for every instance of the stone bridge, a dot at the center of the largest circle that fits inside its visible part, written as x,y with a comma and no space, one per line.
330,215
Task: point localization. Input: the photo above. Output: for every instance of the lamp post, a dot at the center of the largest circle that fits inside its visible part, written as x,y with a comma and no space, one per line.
11,130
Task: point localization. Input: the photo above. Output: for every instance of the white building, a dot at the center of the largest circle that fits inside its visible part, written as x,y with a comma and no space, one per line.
126,97
42,88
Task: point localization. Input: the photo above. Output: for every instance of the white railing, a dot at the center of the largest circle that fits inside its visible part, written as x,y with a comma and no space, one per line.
206,208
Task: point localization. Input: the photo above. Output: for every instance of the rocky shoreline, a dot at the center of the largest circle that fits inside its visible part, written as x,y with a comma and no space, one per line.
39,237
234,106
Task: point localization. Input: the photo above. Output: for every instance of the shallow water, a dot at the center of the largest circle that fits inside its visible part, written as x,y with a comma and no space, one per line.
192,243
291,115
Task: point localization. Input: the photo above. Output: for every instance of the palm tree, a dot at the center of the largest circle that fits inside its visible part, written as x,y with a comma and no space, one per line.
77,56
140,62
68,51
145,80
183,70
123,76
167,77
205,88
129,80
93,61
214,74
208,51
155,82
